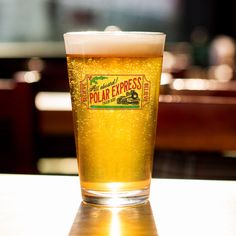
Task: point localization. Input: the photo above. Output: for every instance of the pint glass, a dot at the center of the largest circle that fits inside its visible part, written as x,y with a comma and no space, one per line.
114,82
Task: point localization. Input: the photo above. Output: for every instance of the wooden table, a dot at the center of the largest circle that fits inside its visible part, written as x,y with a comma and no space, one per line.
51,205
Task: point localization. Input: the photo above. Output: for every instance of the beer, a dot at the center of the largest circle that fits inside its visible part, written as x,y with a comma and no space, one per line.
114,101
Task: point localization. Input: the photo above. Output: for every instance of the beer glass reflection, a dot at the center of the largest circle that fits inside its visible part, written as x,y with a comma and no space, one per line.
92,220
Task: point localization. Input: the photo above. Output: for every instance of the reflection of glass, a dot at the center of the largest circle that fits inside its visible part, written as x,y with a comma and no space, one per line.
93,220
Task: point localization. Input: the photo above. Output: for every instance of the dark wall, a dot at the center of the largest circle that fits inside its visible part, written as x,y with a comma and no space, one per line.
216,16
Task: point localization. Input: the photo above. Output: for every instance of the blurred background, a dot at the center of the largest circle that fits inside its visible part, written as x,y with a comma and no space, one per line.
196,134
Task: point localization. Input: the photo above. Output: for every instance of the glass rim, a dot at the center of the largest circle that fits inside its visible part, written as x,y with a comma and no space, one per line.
74,33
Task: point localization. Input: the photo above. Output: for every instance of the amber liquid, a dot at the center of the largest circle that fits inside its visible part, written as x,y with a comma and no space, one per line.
114,146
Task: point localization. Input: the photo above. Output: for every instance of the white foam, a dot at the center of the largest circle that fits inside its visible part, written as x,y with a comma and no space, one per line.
116,43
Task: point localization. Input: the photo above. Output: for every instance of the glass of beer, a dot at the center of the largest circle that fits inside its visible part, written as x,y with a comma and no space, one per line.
114,82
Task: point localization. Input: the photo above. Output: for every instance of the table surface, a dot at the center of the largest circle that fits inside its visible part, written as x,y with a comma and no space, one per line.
52,205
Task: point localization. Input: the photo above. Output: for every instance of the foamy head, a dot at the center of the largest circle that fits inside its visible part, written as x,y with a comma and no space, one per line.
115,43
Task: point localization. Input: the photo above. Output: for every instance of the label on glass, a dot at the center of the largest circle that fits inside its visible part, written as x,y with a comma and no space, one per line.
114,91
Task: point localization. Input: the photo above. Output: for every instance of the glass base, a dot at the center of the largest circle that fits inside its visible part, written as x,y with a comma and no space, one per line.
115,199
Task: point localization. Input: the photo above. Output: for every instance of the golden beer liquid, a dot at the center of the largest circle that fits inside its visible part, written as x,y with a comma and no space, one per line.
114,146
